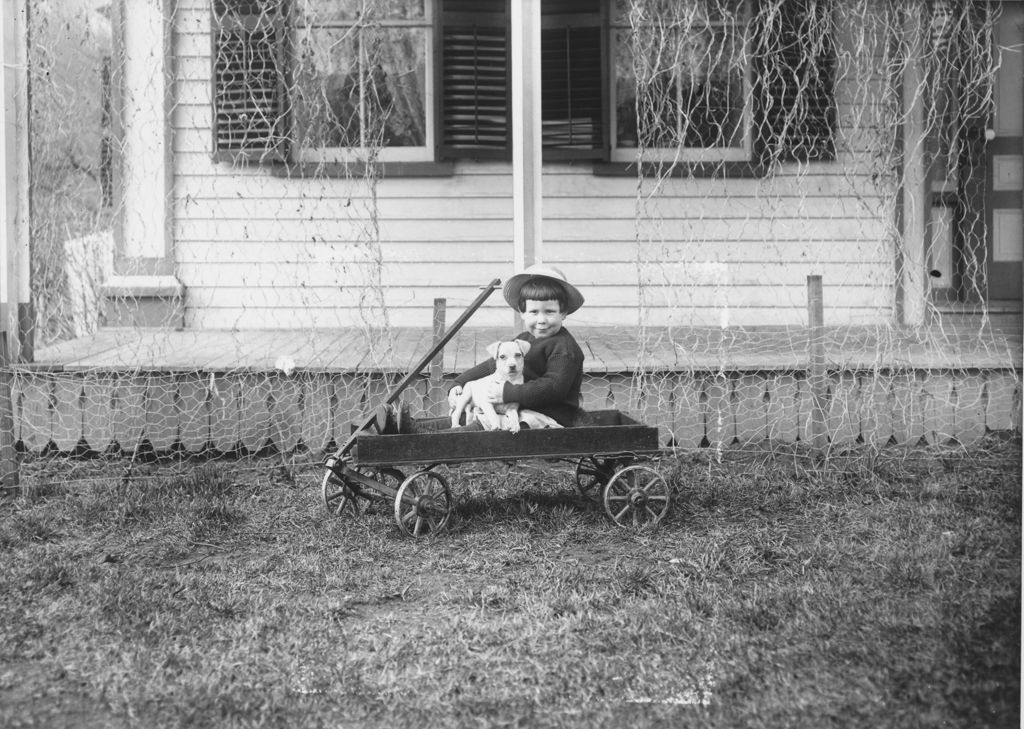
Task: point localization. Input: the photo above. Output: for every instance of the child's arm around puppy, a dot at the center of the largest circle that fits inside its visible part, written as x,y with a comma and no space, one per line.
554,364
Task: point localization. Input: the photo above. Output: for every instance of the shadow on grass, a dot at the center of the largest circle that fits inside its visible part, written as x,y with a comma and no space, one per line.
517,505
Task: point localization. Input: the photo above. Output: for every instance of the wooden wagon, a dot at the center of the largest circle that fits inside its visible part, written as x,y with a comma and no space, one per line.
613,457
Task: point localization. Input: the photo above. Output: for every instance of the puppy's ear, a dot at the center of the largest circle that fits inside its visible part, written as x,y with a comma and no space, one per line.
524,346
492,349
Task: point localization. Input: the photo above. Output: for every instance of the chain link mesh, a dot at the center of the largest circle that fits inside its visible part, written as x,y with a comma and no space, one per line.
767,142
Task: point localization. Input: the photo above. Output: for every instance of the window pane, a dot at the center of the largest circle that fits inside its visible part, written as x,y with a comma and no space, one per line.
325,11
399,76
363,88
686,80
326,103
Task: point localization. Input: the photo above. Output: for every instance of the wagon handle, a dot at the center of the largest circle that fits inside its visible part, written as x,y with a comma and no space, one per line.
452,330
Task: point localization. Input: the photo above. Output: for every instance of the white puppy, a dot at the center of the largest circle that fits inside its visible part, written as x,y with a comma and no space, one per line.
508,361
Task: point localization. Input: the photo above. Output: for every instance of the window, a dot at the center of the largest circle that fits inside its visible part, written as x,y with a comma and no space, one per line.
682,85
360,79
334,80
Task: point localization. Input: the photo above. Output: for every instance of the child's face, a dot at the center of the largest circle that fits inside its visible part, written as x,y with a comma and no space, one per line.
543,318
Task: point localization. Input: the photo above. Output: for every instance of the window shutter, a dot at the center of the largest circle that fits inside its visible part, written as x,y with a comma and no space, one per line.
475,108
249,97
794,98
574,117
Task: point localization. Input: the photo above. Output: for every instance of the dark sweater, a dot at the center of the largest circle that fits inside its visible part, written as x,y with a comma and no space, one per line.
553,370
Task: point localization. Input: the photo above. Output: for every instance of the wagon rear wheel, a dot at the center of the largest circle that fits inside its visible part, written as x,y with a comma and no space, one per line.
593,474
637,496
423,504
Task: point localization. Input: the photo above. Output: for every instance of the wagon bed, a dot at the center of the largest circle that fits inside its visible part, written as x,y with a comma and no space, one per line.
610,450
602,433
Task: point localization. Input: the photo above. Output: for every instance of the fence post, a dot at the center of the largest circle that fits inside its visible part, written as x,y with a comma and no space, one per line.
816,377
8,454
437,396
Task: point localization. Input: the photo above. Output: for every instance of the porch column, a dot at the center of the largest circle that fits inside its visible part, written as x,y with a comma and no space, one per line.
143,290
526,133
911,285
16,317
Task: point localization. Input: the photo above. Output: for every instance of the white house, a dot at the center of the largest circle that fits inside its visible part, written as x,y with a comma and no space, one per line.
295,170
316,163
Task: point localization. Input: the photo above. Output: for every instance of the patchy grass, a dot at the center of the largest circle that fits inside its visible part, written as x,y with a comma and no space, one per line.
868,592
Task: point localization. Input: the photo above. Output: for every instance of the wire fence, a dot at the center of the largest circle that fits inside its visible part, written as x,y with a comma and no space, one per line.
325,169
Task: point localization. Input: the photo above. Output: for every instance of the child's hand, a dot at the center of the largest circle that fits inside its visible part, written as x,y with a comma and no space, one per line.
453,397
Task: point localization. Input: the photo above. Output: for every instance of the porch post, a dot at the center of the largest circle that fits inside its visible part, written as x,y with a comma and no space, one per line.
526,133
14,218
15,292
916,205
143,290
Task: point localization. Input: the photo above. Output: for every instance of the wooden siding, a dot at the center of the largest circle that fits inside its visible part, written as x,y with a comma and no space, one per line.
256,251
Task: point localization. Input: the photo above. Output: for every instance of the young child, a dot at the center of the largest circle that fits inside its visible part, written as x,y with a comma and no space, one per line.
553,368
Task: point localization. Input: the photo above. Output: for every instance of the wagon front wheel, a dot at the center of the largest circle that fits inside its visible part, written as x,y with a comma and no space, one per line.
637,496
423,504
337,496
347,498
593,474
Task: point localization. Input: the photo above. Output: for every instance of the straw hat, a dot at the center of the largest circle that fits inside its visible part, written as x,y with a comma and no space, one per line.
573,298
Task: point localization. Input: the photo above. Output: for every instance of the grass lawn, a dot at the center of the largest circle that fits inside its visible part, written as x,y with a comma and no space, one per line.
867,592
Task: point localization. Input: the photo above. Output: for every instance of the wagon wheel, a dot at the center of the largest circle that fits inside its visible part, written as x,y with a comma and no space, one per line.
637,496
343,499
593,472
423,504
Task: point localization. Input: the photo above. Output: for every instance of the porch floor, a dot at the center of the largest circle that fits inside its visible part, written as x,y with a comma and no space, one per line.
952,342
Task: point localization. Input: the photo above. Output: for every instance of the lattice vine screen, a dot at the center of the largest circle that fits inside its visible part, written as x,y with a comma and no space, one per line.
243,210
